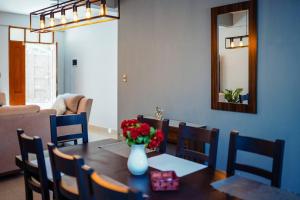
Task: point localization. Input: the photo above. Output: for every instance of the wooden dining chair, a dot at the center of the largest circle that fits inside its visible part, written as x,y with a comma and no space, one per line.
274,150
198,136
101,188
69,120
35,175
158,124
69,166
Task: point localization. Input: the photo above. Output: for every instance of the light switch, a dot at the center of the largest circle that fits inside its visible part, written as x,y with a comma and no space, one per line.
124,78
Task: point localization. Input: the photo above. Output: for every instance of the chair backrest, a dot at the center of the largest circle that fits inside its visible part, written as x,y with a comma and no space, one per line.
101,188
68,120
188,134
158,124
33,145
274,150
68,165
243,98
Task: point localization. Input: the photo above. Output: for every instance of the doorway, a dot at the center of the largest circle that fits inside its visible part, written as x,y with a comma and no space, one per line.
32,67
40,73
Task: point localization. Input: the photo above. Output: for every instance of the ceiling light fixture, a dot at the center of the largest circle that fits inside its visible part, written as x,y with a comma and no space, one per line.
241,40
68,14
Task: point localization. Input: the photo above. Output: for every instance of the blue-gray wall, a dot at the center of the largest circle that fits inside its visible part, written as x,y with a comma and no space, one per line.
164,48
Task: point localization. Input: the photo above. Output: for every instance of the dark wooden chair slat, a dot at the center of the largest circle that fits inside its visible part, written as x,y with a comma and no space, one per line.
194,155
68,120
254,145
104,189
71,166
158,124
35,176
192,133
274,150
197,136
67,138
250,169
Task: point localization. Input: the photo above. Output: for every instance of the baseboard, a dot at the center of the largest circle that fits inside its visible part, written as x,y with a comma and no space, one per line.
102,129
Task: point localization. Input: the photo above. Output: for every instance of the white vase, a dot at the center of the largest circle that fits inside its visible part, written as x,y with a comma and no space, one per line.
137,161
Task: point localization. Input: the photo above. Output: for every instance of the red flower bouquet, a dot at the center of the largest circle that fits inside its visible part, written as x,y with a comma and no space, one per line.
136,132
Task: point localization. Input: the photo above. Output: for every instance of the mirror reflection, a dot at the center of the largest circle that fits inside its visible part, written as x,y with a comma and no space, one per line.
233,65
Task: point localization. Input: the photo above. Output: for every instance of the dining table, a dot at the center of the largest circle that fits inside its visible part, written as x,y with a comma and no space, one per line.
196,185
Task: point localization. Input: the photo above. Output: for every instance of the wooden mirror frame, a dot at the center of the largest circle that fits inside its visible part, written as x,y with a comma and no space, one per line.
215,80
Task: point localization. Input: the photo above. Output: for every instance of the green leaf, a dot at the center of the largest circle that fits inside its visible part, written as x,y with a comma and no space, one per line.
139,140
232,96
128,134
146,140
152,132
130,142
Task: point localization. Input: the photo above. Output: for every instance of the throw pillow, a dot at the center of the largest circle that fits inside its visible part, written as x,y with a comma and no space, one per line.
72,102
59,105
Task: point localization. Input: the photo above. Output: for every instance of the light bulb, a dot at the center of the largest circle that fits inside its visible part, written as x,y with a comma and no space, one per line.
232,44
103,9
75,16
88,13
52,22
241,42
42,22
63,19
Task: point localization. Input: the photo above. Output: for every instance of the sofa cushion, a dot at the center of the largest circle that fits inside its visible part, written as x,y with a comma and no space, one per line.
11,110
72,102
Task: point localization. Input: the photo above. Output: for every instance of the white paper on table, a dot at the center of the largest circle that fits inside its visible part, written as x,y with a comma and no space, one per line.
182,167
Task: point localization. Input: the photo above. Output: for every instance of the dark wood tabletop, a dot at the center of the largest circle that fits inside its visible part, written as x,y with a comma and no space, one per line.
193,186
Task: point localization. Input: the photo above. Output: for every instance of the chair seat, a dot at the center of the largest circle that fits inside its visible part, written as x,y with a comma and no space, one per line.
69,187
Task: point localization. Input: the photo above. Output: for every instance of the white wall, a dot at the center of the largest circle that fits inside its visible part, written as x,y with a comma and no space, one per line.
95,48
7,19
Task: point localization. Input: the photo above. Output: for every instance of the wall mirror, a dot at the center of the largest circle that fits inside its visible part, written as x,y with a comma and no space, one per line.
233,58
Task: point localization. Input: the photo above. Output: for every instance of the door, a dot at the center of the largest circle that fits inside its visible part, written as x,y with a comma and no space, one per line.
16,73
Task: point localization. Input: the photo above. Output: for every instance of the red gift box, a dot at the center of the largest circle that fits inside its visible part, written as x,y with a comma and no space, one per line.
164,181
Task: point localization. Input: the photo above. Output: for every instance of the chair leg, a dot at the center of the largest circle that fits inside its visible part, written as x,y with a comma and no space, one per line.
45,195
29,193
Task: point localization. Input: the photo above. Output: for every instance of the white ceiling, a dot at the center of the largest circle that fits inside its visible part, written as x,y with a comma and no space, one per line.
24,6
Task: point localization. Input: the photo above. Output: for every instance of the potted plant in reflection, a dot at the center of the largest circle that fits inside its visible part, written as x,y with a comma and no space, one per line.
140,136
232,96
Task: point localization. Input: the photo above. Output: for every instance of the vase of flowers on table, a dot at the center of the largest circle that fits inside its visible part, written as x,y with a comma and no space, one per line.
138,137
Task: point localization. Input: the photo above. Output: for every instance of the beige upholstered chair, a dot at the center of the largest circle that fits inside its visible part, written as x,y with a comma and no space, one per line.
75,104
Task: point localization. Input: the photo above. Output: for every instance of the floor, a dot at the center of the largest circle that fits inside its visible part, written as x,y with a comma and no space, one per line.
12,187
